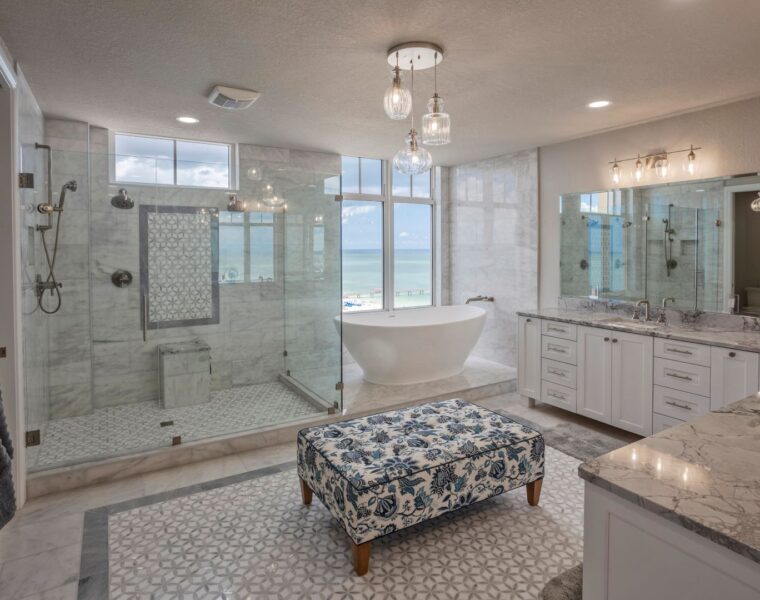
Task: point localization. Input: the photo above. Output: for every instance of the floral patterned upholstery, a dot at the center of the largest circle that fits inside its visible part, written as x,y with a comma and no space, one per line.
386,472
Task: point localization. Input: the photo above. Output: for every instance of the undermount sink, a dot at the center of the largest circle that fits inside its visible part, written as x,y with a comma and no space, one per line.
634,323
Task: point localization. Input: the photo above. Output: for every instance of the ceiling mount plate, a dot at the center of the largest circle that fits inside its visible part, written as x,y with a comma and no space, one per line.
423,55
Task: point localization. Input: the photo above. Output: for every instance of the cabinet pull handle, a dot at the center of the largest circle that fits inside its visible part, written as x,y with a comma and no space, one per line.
677,376
677,404
528,320
559,329
556,372
678,351
556,395
554,348
732,354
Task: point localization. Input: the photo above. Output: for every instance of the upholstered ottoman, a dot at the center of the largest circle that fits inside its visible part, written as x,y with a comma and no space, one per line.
386,472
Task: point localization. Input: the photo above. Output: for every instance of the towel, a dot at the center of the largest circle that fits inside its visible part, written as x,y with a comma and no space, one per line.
7,493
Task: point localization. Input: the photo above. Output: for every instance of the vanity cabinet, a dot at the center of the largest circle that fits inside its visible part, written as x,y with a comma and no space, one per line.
529,357
595,373
734,375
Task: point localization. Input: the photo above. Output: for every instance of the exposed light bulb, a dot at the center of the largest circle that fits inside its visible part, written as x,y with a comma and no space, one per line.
691,162
755,206
638,169
661,167
615,173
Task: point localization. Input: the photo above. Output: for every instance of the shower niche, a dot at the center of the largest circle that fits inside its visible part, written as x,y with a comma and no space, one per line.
663,242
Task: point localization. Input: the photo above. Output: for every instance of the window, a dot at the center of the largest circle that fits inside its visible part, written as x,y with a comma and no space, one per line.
246,247
163,161
387,228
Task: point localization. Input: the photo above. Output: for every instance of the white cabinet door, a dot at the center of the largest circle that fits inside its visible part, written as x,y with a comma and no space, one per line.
594,373
734,375
632,357
529,357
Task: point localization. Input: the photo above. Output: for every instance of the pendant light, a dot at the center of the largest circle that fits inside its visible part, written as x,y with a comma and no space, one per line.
436,124
398,100
414,159
755,206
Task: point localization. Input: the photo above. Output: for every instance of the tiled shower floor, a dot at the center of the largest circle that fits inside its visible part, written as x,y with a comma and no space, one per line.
119,430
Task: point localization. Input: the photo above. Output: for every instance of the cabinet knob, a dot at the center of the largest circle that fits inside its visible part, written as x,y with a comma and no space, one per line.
606,339
732,354
614,340
528,320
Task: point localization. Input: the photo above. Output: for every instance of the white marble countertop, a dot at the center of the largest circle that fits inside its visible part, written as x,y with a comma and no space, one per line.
703,475
735,340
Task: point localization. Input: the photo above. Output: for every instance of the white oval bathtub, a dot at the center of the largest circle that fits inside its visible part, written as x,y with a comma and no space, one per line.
413,345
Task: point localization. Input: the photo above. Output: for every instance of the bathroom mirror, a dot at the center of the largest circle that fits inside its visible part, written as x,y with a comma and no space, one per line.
694,243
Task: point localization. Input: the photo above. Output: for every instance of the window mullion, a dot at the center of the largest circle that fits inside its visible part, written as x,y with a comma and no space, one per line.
388,265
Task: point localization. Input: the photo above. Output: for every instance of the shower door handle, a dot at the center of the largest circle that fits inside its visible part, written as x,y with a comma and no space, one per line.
145,318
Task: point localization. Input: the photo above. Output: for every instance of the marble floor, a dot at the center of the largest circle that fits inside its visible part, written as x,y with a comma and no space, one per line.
119,430
40,550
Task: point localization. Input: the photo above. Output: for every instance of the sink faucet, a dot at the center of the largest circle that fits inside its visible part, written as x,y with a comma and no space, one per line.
480,299
639,304
661,317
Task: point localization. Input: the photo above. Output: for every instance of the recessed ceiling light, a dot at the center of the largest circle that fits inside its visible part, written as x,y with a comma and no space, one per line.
187,119
598,103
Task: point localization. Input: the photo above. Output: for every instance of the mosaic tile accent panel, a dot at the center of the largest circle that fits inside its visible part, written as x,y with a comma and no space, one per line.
179,265
255,539
119,430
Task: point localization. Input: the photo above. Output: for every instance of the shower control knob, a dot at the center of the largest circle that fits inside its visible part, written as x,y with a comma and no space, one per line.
121,278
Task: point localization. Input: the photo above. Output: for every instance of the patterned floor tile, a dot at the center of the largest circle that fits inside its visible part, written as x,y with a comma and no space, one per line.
255,539
118,430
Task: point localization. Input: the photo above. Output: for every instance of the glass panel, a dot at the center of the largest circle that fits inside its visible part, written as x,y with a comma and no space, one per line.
372,176
203,165
231,247
401,184
412,255
262,253
332,185
350,175
421,185
141,159
362,233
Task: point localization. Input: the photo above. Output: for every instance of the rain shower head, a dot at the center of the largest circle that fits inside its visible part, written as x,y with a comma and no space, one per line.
122,200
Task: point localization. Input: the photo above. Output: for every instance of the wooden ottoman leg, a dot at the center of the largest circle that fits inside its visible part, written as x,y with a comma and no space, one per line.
305,491
534,491
361,557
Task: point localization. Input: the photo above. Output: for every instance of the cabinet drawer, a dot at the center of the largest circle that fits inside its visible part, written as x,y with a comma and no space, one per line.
558,349
558,395
566,331
661,422
696,354
678,404
557,372
682,376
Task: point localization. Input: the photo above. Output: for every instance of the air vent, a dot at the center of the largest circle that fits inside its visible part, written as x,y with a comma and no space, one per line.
232,98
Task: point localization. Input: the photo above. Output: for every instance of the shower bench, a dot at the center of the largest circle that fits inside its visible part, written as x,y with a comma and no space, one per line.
386,472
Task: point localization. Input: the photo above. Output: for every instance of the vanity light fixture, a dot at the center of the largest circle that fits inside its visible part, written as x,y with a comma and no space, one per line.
691,162
755,206
615,172
662,166
436,124
659,161
398,100
638,169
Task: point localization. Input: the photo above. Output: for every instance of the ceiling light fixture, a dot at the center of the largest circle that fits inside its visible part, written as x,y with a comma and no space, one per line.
188,120
414,159
397,101
436,124
599,104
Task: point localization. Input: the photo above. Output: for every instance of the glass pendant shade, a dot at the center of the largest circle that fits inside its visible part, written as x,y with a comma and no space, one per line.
413,159
691,162
638,170
661,167
398,100
756,203
615,173
436,124
271,199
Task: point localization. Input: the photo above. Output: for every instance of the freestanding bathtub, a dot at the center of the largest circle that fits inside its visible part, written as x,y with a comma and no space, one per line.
412,345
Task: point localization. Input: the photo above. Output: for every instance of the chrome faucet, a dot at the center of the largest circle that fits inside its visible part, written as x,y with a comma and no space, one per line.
639,304
480,299
661,316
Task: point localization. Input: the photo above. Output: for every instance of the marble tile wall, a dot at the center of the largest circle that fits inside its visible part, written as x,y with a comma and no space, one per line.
491,239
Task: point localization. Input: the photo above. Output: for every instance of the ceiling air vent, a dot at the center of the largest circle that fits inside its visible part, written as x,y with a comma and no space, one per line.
232,98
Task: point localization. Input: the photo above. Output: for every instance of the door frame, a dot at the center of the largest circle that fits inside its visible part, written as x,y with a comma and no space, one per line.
729,219
11,373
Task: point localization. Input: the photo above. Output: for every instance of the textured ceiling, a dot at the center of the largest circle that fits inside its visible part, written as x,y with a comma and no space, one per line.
518,73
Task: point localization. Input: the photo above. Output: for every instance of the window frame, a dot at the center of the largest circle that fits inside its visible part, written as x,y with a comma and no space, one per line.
247,225
232,166
388,201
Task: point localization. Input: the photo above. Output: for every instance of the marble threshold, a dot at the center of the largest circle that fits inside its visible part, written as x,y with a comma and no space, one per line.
480,379
734,340
703,475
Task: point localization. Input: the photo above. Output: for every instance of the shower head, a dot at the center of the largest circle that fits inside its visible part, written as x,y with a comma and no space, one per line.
122,200
70,186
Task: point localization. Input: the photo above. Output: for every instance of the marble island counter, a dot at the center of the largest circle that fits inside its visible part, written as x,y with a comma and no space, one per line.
746,340
678,512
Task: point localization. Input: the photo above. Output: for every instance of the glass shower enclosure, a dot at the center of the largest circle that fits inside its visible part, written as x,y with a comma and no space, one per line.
186,313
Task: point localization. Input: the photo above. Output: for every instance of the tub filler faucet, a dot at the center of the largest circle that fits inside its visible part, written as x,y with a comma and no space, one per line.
480,299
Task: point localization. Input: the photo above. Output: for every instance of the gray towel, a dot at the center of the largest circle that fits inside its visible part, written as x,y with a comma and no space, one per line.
7,493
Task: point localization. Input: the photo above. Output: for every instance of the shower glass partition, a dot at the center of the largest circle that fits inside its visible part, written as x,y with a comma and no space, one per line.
184,316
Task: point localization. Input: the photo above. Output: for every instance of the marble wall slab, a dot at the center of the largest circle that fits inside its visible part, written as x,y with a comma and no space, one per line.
491,241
